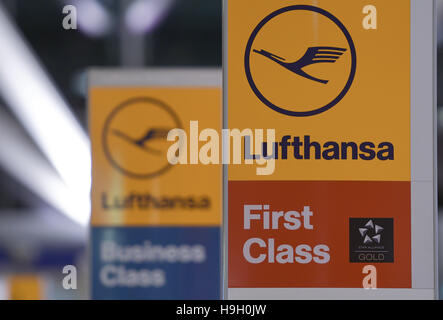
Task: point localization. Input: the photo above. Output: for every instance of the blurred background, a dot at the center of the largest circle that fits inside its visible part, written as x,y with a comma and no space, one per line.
44,148
44,208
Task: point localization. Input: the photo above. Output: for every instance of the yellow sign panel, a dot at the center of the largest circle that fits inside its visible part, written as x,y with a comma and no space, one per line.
314,72
25,287
133,182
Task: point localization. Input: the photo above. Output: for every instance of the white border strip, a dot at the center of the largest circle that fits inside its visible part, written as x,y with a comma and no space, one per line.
224,231
329,294
423,144
155,77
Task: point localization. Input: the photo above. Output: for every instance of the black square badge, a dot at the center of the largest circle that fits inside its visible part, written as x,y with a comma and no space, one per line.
371,240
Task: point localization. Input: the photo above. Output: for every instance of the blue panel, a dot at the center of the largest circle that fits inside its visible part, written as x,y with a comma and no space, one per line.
156,262
57,257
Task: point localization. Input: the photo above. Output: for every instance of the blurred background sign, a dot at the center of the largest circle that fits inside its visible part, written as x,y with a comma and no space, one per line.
26,287
155,226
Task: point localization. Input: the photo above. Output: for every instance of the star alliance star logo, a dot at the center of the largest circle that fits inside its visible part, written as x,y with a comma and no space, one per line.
371,233
371,240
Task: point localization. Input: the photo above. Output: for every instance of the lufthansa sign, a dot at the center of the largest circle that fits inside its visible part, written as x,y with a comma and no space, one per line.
348,87
155,227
